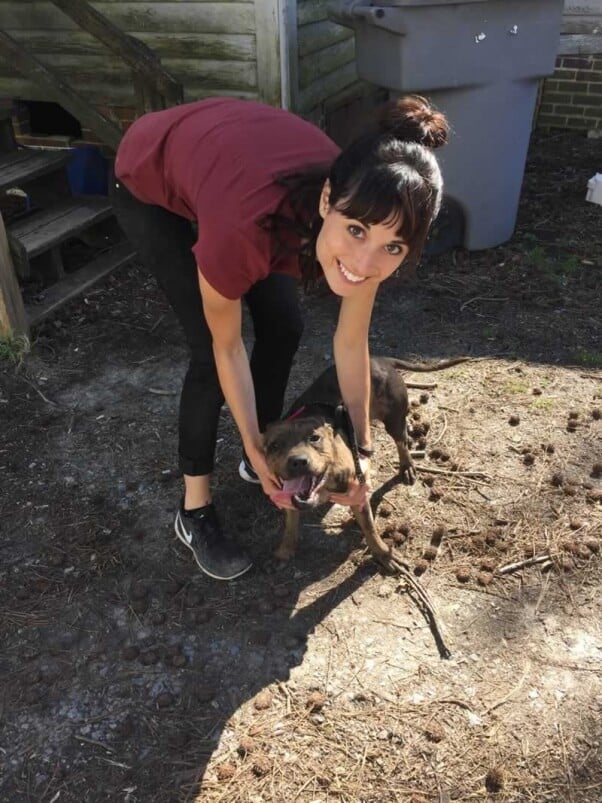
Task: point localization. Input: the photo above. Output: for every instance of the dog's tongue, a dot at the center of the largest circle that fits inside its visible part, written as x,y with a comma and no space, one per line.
296,485
281,497
290,488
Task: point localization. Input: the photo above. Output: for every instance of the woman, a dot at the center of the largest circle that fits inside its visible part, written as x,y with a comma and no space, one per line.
275,202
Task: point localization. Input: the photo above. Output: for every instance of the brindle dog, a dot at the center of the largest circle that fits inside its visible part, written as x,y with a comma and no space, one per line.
310,450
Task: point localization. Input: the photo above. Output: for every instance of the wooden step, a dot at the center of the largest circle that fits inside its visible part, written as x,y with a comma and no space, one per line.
47,228
79,281
21,167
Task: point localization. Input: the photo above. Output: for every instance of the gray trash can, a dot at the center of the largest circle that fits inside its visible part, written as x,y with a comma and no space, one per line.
480,62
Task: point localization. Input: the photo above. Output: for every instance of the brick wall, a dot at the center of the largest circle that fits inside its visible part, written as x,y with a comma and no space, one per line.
572,96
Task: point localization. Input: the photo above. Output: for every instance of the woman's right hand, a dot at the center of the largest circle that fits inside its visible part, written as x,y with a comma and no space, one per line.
270,483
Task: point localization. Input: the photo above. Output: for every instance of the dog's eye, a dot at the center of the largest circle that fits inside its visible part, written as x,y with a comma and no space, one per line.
314,439
273,446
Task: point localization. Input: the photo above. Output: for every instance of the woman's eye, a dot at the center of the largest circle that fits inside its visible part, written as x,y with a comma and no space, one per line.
355,231
393,248
314,439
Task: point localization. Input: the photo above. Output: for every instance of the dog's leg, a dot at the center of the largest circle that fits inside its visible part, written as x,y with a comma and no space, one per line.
375,544
406,464
397,428
288,545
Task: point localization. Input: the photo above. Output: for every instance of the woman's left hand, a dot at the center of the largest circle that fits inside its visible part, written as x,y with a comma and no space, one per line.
357,495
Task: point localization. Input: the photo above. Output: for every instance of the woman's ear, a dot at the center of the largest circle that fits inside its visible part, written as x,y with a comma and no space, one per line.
324,205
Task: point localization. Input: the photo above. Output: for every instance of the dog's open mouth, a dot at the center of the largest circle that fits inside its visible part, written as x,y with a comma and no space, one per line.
304,491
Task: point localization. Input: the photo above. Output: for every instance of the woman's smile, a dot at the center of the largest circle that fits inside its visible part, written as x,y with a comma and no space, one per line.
349,275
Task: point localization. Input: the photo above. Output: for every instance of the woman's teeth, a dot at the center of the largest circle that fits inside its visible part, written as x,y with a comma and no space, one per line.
351,277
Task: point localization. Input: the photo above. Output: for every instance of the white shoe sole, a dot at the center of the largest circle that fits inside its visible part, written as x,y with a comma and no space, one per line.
244,474
180,531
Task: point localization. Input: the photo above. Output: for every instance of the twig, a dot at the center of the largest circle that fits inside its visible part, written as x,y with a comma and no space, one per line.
522,564
421,598
475,475
92,742
39,392
160,392
511,694
597,377
421,385
442,433
481,298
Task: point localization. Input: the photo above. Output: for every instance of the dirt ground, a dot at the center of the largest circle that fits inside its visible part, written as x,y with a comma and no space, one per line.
128,676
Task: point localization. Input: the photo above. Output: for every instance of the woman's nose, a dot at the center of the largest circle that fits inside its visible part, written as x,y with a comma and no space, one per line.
366,263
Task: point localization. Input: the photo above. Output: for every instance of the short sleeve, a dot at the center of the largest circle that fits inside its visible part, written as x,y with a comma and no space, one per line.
232,261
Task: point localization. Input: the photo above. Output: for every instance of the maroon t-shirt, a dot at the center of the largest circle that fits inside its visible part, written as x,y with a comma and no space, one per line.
214,161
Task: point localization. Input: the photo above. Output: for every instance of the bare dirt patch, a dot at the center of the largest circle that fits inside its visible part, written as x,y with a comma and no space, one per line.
128,676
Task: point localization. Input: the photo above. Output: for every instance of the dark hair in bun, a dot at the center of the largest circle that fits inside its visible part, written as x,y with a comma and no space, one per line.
391,174
413,119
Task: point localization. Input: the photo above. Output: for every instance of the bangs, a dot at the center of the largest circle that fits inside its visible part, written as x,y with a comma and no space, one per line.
382,198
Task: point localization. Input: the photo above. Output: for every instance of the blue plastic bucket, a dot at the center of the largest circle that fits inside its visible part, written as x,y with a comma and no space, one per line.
88,171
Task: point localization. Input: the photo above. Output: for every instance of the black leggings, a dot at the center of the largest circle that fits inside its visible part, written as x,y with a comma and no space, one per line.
164,241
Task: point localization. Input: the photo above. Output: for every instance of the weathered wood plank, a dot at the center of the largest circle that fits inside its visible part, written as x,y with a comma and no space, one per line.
116,94
321,34
13,320
309,11
319,66
229,47
80,280
318,91
170,17
57,89
45,229
591,26
571,45
267,33
129,49
83,73
21,167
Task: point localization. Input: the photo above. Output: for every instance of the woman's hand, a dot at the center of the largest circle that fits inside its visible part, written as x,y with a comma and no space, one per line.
269,482
357,495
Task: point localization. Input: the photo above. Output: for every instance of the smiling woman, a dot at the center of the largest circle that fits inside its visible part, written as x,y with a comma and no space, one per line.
274,201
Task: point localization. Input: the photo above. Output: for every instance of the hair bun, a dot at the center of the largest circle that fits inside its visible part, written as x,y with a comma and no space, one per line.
413,119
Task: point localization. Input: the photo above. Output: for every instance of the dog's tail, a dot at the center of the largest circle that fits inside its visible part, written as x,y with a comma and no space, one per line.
428,366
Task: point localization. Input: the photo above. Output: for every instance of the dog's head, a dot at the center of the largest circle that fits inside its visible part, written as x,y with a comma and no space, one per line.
310,457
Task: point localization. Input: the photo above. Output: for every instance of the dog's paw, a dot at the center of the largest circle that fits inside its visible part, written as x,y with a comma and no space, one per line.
408,474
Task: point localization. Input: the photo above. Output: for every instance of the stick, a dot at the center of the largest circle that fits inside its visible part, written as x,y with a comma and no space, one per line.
39,392
481,298
421,385
511,694
160,392
421,598
522,564
476,475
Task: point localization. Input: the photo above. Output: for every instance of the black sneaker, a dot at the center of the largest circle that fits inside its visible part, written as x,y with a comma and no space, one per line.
218,557
247,472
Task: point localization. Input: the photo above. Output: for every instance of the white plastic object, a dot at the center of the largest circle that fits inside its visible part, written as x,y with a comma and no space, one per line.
594,189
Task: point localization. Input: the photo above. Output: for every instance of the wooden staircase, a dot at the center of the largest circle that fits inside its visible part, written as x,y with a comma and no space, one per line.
38,237
32,246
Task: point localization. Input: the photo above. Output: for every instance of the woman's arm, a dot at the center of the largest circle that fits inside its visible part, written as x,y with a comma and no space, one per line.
352,358
224,318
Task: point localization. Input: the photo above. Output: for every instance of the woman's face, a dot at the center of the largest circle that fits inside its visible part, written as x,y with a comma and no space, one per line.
353,254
